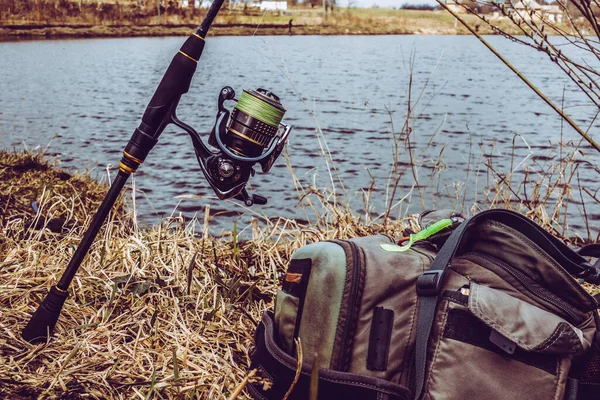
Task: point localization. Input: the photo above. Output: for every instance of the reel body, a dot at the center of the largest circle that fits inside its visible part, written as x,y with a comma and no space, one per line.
250,134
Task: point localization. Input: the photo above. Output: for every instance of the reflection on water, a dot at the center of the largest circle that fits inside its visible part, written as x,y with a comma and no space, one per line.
83,99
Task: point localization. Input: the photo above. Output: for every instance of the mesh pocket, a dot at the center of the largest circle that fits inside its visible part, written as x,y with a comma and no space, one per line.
586,369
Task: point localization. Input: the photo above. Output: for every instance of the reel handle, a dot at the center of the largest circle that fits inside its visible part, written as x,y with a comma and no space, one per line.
251,200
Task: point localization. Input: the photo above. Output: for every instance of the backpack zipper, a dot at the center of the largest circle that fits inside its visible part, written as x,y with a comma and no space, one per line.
353,304
492,262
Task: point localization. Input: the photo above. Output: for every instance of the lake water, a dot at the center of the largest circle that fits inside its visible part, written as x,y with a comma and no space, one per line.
83,98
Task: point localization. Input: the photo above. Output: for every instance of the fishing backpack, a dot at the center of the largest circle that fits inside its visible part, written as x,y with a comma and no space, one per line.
487,308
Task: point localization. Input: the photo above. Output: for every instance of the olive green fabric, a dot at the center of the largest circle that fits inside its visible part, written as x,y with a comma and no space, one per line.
459,370
514,248
286,313
510,304
468,266
530,327
500,281
322,304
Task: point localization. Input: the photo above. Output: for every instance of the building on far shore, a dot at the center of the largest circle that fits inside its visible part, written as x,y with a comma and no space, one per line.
454,6
191,3
273,5
552,13
545,12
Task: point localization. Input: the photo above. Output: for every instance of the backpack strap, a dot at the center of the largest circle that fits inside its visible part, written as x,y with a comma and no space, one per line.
591,250
430,282
279,368
581,391
586,369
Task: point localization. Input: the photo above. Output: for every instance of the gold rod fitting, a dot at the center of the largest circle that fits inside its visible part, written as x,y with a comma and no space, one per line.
190,57
59,289
132,158
126,169
198,36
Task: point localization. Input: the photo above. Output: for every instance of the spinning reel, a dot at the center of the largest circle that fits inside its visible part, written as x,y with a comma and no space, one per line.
250,134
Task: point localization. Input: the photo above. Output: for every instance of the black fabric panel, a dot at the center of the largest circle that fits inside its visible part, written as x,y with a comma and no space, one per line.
280,368
588,391
303,267
379,339
586,368
466,328
298,266
571,390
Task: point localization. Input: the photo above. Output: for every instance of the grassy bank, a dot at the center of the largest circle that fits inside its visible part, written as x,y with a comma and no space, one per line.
305,22
163,312
159,312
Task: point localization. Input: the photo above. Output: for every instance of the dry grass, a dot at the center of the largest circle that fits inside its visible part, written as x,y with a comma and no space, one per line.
156,313
64,198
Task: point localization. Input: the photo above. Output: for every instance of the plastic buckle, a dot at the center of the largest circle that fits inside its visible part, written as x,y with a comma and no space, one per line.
589,273
429,283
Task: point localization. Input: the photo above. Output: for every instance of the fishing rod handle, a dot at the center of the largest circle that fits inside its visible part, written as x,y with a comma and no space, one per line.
177,78
42,322
158,114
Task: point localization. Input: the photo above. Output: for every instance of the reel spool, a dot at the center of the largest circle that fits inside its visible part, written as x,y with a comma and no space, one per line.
254,123
251,134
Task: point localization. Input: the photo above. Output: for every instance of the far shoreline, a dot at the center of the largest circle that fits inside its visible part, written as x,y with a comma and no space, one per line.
89,23
38,32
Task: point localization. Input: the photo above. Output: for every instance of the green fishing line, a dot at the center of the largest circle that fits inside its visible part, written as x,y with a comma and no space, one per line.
260,109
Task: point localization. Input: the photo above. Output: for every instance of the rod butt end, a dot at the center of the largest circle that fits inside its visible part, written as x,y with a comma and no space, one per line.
42,322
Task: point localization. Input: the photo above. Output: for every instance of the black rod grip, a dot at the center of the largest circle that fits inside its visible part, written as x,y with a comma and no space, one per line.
175,82
40,326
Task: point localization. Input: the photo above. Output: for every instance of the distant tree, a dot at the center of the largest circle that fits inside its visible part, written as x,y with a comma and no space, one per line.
422,7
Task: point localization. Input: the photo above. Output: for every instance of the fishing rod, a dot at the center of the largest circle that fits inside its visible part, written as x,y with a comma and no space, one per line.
252,133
